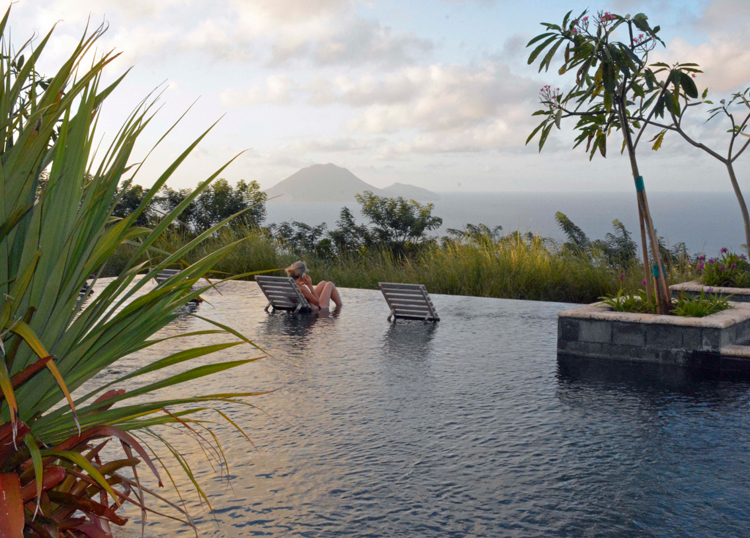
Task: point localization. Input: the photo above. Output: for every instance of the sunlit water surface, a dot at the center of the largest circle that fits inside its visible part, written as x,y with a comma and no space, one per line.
470,427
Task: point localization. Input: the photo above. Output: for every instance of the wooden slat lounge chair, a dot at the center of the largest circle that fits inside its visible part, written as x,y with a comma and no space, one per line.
165,274
282,293
408,301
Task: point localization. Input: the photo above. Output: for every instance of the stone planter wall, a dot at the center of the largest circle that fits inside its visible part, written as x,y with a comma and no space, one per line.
738,295
596,331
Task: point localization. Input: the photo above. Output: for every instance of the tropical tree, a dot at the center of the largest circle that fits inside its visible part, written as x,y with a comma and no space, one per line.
480,234
397,222
675,88
129,200
608,94
56,228
217,202
349,237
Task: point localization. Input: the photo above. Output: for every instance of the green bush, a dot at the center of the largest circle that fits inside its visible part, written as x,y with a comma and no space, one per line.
729,269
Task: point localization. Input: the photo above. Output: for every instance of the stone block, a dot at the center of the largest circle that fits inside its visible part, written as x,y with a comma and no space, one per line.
585,349
664,336
628,334
595,331
568,329
710,339
691,338
728,336
742,331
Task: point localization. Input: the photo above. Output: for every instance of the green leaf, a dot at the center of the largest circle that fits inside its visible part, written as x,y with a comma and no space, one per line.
83,463
549,56
540,48
539,38
688,84
641,22
558,117
535,131
650,79
36,459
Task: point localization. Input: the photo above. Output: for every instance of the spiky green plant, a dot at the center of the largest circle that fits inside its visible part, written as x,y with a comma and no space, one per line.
56,229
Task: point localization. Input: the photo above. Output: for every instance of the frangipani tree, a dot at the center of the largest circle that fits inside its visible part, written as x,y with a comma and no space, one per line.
608,94
676,90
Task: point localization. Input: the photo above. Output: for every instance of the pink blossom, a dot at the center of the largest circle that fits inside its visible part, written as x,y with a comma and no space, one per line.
643,282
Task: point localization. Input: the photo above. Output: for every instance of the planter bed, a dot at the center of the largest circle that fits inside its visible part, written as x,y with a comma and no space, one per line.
739,295
715,341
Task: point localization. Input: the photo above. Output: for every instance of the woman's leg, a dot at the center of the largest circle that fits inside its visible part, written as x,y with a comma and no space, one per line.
324,295
329,292
335,295
319,287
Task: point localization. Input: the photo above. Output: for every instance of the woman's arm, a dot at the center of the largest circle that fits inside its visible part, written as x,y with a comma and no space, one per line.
308,292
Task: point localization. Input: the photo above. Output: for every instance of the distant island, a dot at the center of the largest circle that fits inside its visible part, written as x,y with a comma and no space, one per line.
331,183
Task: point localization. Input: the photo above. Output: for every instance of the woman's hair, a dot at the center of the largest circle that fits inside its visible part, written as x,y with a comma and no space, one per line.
296,270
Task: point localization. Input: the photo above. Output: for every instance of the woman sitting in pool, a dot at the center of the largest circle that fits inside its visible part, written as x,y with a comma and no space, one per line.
318,296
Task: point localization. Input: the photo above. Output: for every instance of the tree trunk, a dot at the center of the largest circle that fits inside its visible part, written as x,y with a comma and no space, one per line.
644,245
743,205
663,299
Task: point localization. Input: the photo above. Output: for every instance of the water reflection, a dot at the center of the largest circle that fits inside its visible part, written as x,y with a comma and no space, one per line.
301,330
409,340
615,385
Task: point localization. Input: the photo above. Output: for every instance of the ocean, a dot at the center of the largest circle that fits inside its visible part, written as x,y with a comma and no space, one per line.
705,222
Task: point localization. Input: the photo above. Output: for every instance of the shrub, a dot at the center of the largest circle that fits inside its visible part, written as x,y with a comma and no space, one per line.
57,228
729,269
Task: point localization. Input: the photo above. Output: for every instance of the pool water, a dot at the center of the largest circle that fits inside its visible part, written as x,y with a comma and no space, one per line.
469,427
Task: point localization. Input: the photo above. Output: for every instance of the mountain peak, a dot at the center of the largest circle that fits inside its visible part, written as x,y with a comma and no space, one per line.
331,183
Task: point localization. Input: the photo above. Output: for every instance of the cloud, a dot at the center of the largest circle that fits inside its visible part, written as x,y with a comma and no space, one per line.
726,67
329,32
276,90
439,98
270,32
441,108
722,56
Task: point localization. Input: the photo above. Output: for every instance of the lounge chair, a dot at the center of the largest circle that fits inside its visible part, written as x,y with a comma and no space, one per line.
408,301
165,274
282,293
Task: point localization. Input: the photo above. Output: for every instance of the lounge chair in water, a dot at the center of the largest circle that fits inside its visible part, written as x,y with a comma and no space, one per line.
165,274
282,293
408,301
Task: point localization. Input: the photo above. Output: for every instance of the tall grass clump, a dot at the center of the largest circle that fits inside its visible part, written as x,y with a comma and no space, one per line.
56,229
517,266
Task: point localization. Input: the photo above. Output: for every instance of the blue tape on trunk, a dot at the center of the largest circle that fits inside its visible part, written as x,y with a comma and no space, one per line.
639,186
656,271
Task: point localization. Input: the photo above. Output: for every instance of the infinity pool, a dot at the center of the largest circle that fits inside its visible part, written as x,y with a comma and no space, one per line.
470,427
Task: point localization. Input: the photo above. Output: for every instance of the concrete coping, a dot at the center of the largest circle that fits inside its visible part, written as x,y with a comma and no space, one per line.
697,287
737,313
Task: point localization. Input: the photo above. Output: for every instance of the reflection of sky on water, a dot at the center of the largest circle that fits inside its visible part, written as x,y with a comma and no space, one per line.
467,427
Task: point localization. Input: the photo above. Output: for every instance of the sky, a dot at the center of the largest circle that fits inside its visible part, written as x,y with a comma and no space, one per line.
435,93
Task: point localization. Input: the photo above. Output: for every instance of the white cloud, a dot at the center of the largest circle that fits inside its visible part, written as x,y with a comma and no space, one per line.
276,90
440,98
722,56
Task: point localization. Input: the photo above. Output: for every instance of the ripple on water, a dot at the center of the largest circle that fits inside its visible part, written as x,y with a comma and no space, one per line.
470,427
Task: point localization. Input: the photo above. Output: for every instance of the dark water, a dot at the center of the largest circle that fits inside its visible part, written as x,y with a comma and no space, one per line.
470,427
705,222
